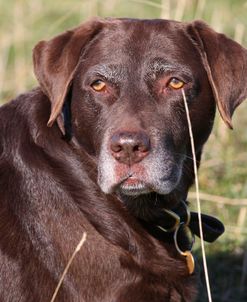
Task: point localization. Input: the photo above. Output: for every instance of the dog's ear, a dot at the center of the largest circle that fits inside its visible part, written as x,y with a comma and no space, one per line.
225,62
55,62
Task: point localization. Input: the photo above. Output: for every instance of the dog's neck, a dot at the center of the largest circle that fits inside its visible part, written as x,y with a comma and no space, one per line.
148,207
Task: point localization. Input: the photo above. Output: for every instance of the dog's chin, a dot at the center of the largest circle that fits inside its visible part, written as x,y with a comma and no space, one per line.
141,197
143,200
136,187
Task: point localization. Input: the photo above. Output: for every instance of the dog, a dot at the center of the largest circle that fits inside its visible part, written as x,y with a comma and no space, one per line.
102,147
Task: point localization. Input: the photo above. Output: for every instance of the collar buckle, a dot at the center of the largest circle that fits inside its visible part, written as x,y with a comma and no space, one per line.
183,237
184,225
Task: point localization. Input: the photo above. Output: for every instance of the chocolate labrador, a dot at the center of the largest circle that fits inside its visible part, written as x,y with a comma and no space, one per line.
102,146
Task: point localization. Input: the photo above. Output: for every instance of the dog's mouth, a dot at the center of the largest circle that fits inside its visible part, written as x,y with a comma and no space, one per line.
139,179
133,186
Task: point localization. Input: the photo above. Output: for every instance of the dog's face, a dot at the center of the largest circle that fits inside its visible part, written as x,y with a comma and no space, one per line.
126,97
131,78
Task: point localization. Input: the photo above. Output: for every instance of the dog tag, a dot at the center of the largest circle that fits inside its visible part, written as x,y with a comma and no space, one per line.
190,261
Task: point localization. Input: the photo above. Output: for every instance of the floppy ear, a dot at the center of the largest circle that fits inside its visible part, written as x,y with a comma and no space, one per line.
55,62
225,62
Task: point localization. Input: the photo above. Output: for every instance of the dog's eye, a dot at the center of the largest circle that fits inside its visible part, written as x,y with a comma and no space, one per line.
176,83
99,86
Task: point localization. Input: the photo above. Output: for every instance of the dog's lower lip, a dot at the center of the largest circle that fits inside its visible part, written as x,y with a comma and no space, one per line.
134,186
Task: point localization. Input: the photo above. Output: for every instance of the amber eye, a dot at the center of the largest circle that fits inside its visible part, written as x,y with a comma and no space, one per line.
99,86
176,83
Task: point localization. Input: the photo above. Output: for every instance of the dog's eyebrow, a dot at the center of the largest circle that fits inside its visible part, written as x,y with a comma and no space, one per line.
160,65
113,73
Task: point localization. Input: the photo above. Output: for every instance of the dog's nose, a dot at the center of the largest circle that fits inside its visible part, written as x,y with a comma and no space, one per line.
129,147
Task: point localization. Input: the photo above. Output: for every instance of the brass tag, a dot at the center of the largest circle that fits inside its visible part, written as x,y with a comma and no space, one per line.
190,261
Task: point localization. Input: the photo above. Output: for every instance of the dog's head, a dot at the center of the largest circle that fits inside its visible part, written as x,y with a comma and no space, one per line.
124,78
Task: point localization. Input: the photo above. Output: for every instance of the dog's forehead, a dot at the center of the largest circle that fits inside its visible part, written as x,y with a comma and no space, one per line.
136,30
141,40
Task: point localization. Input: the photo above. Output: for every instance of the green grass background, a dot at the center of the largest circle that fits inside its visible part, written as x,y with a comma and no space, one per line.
223,171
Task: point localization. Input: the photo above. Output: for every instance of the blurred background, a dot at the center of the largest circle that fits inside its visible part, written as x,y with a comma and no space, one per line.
223,172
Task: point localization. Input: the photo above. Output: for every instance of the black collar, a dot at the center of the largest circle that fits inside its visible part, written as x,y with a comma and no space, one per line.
179,227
